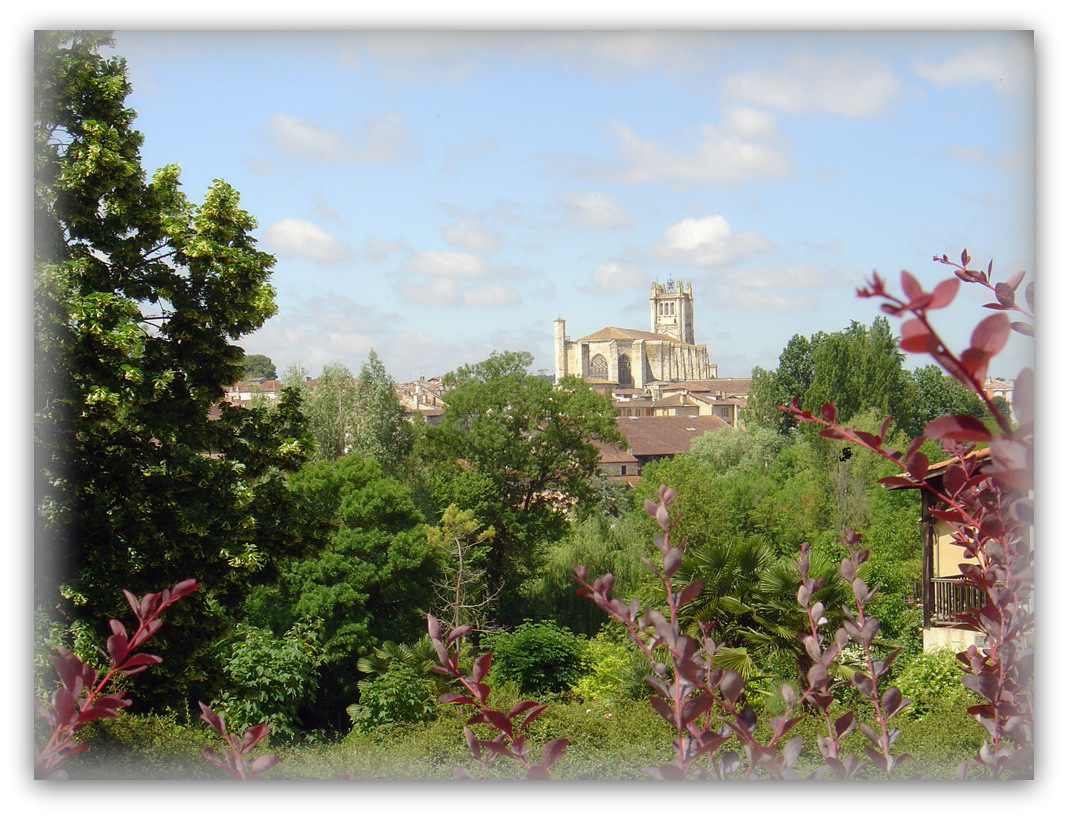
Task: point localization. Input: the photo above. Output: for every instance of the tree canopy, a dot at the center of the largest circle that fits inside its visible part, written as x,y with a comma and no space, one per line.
140,295
518,453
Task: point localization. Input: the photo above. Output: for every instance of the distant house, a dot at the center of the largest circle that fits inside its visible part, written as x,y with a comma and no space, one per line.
242,392
653,438
423,396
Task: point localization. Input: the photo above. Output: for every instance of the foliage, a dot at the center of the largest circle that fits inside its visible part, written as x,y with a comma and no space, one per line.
381,430
369,584
932,679
232,761
80,698
398,694
988,507
332,411
606,543
268,677
258,367
462,550
509,741
139,295
518,452
604,662
540,657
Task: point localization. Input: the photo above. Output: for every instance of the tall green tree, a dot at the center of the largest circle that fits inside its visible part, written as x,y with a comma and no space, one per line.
140,295
332,411
518,453
372,583
381,429
934,393
259,366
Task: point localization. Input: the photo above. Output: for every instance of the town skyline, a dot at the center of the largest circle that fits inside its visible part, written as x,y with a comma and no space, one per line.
437,196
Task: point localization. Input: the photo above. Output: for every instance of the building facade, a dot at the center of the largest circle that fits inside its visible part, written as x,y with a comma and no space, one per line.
634,358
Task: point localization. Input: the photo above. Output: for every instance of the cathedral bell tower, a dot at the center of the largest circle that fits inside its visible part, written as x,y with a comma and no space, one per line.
671,310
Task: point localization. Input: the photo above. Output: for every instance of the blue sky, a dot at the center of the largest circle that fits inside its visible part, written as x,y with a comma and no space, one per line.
440,195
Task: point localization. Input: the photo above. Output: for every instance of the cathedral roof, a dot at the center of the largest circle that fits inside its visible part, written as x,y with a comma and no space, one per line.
617,334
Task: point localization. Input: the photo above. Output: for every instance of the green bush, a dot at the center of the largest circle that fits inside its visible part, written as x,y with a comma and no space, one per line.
932,680
153,746
540,657
269,677
396,695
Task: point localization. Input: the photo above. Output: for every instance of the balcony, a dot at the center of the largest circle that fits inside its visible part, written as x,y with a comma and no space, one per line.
951,600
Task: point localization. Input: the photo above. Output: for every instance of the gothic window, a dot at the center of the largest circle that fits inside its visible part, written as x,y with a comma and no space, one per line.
625,378
599,367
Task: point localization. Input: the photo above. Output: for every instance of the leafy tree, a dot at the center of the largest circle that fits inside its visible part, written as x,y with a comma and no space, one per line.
370,584
518,452
259,367
268,677
859,368
139,297
332,411
935,394
462,548
381,431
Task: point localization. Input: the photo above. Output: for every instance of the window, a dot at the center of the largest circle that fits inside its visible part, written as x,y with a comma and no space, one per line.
599,367
625,378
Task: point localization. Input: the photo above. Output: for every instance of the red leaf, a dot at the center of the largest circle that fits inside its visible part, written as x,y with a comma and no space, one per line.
956,427
521,707
552,751
1015,279
537,772
827,410
1023,328
500,721
481,666
212,718
872,440
832,433
896,480
1005,294
264,762
915,337
910,285
533,714
944,293
917,465
991,334
455,698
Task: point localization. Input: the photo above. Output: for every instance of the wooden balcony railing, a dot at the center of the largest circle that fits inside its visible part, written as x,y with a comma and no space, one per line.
950,600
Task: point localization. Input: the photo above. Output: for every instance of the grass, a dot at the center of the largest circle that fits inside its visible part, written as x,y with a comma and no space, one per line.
607,742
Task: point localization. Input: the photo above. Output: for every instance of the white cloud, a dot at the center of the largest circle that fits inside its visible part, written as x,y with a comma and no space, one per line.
707,242
437,292
849,85
446,263
473,234
761,300
307,240
746,145
612,276
380,139
445,292
375,249
594,209
490,294
1006,66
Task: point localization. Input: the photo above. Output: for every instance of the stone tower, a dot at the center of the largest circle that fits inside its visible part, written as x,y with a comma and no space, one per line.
671,310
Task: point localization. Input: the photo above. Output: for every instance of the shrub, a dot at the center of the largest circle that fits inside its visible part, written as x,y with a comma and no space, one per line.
396,695
540,657
605,660
932,681
269,677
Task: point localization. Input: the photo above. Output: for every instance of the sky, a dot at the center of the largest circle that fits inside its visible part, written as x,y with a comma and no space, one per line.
439,195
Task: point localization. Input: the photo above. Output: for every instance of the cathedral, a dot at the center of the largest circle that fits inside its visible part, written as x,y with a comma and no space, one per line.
632,358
